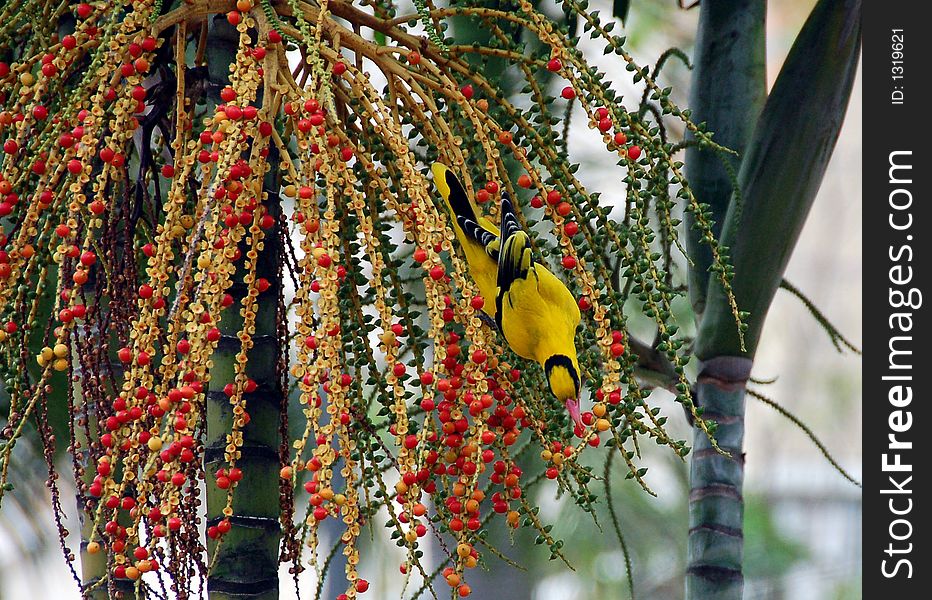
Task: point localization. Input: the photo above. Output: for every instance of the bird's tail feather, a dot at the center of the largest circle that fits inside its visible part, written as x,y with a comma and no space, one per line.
453,193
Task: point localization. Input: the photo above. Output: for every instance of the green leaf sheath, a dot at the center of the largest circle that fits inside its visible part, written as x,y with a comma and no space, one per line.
716,505
727,92
782,172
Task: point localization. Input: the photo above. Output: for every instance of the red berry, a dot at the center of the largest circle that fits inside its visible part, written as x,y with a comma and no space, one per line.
414,57
524,181
605,124
467,91
84,10
634,152
564,208
569,262
554,65
618,349
620,138
339,68
568,93
536,202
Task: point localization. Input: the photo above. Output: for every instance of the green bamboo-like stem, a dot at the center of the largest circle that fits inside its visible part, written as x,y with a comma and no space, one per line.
777,183
716,505
246,565
727,92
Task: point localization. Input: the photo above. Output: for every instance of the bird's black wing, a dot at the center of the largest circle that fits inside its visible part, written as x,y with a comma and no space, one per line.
514,259
480,234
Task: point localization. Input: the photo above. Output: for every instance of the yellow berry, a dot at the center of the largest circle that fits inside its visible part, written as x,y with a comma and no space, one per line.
60,351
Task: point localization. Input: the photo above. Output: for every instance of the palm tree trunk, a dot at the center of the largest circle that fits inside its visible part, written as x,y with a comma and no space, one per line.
716,505
246,562
760,226
728,91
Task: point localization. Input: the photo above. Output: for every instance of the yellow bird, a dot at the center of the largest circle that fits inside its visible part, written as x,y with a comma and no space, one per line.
533,309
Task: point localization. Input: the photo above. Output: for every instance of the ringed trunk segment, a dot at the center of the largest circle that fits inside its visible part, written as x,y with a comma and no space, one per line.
716,503
245,566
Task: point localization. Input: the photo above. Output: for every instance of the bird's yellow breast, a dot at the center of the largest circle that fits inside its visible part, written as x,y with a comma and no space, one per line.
539,316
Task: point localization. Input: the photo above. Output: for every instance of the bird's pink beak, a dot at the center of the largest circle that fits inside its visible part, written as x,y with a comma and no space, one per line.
572,405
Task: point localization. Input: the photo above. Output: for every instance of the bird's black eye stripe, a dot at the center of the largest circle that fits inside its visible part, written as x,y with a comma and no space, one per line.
562,360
